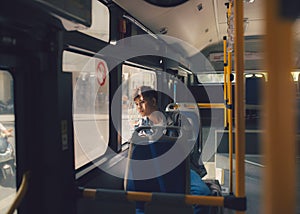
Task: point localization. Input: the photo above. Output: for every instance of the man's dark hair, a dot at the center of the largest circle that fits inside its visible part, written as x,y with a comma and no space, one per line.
146,92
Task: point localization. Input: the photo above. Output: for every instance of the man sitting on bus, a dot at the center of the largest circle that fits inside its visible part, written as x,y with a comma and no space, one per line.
145,99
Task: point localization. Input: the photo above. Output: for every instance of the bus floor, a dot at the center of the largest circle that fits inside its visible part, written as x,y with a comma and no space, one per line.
253,179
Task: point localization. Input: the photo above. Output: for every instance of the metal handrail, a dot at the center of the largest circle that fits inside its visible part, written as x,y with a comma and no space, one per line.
230,201
20,194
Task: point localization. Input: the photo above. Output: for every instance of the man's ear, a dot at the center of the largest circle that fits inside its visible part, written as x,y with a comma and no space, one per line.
154,102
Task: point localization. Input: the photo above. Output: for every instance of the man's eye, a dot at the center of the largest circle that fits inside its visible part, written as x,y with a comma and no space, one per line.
140,103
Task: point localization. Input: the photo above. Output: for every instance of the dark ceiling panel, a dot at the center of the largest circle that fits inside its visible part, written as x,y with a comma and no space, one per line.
166,3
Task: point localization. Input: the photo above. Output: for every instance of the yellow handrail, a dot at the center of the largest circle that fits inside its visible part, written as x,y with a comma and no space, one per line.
189,199
20,194
211,105
147,196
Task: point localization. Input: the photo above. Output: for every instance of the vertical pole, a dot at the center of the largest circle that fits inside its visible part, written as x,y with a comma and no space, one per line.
225,80
239,98
229,101
230,124
279,121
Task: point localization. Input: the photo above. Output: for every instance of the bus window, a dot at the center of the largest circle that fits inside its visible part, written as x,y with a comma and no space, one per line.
90,106
100,22
211,77
7,142
132,78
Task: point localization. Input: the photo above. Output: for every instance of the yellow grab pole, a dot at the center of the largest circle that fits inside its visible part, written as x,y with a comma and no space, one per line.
230,122
225,79
239,98
229,103
279,120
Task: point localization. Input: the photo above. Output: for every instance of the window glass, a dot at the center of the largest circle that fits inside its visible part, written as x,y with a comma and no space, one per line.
100,22
90,105
210,78
7,142
132,78
219,77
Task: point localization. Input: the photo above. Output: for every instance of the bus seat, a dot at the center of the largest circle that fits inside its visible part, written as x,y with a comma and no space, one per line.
193,116
107,201
253,90
167,203
150,148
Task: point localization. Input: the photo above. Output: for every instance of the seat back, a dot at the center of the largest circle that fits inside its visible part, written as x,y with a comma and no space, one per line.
191,112
192,115
148,158
253,90
155,162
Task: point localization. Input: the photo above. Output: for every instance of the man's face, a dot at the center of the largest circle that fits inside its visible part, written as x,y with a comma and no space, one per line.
144,106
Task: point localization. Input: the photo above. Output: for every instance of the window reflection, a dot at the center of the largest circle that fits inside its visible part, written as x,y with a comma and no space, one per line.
7,142
90,106
132,78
